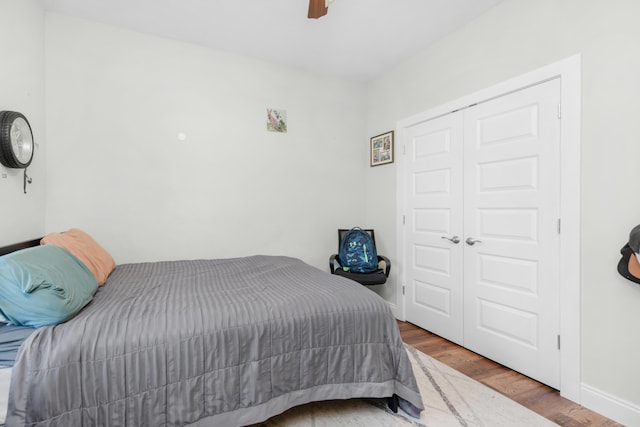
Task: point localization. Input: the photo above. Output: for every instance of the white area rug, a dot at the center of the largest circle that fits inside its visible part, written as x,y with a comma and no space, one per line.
450,399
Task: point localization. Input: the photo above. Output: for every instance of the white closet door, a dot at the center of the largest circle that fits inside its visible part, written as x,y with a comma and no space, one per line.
489,173
433,223
512,208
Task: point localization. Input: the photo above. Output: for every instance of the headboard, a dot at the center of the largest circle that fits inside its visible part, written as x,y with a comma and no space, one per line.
17,246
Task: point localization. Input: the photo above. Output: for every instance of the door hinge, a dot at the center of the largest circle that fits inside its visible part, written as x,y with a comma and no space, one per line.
559,111
403,220
558,342
558,225
402,289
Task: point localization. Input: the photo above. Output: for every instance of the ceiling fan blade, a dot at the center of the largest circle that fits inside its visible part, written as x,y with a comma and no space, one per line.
317,8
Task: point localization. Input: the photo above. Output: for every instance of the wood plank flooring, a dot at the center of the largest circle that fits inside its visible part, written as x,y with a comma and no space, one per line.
536,396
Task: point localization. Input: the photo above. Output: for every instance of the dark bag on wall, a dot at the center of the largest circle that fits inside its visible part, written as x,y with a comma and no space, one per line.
629,264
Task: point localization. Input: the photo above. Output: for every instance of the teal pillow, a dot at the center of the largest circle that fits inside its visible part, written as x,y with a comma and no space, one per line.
43,285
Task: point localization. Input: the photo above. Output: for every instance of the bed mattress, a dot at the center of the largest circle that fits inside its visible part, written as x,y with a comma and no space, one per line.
5,378
210,342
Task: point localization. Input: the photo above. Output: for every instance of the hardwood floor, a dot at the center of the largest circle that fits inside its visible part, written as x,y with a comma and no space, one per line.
536,396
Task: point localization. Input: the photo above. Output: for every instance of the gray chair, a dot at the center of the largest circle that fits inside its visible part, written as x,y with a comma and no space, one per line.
378,277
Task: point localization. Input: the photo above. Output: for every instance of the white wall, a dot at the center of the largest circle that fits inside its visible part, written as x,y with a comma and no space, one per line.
22,90
116,102
114,97
513,38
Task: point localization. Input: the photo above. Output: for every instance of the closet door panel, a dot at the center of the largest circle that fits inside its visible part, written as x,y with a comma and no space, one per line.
511,209
433,225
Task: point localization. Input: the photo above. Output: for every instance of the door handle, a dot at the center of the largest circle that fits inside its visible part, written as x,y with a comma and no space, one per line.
455,239
471,241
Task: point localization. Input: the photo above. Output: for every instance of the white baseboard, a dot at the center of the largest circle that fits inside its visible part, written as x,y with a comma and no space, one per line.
610,406
394,309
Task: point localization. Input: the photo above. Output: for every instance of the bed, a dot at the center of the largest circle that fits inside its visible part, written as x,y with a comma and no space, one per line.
227,342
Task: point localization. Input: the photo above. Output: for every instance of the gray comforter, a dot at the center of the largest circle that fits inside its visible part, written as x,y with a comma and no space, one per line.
210,343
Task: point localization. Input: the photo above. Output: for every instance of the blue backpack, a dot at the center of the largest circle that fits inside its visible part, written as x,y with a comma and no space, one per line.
357,252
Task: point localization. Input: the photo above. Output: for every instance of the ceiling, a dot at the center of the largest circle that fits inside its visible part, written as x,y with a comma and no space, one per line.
357,39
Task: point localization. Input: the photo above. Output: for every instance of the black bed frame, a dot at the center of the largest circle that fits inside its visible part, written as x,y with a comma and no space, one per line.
17,246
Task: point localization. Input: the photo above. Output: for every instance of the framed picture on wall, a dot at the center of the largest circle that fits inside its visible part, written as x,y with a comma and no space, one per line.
382,149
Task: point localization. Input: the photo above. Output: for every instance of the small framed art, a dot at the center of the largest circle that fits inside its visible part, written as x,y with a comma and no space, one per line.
276,120
382,149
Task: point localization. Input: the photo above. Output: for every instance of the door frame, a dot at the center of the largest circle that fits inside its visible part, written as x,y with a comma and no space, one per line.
569,72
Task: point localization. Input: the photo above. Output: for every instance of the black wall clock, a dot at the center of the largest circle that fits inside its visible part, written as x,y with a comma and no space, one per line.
16,140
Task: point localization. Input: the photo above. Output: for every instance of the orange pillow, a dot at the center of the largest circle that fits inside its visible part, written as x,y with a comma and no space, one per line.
87,250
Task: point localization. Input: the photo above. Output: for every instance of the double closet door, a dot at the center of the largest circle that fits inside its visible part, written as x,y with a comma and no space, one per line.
482,224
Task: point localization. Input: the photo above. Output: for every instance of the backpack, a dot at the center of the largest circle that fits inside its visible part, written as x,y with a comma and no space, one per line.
357,252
